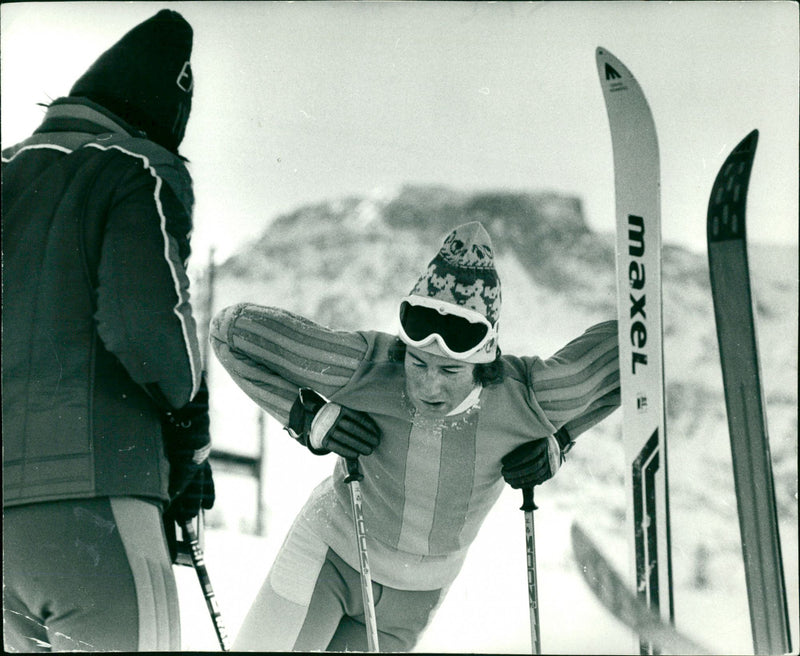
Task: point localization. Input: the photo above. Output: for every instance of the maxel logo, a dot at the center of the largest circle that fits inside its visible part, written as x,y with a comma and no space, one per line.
636,278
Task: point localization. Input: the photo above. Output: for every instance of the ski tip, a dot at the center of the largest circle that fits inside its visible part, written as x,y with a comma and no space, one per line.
575,531
602,53
613,73
725,219
748,144
582,545
608,66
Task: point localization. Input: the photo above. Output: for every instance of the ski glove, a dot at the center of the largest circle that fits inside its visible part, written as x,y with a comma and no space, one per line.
535,462
324,426
187,443
196,494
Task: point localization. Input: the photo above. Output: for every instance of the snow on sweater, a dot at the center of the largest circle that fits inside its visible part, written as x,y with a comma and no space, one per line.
430,483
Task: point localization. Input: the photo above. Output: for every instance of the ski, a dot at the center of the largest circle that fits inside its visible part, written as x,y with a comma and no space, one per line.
744,400
639,310
610,589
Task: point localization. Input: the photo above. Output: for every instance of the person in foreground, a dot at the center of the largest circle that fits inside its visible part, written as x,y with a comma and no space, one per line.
438,419
105,411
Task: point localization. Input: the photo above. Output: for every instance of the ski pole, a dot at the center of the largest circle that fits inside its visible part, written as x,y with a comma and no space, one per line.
354,475
198,560
530,542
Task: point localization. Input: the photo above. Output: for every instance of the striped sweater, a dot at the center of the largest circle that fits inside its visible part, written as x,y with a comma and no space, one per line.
431,482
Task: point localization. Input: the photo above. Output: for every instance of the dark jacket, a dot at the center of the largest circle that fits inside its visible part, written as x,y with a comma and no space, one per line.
98,334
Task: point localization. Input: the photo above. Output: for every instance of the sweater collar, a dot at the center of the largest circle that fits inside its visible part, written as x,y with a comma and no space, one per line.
469,401
83,115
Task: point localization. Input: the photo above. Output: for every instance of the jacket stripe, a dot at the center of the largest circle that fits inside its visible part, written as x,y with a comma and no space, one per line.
586,394
298,351
334,360
336,347
170,257
561,382
37,146
575,377
310,373
456,485
423,462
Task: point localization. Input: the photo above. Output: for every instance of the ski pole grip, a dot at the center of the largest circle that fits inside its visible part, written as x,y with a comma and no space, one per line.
527,499
353,470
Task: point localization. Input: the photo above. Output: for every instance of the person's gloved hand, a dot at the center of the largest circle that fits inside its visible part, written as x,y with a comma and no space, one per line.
187,443
533,463
324,426
195,494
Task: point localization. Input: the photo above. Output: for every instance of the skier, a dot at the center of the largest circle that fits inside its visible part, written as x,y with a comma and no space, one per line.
440,418
105,413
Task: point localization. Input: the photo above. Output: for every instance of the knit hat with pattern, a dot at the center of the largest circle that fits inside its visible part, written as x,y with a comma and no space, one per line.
145,78
463,272
461,276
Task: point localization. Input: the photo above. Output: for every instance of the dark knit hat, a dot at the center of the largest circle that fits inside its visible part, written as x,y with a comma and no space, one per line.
145,78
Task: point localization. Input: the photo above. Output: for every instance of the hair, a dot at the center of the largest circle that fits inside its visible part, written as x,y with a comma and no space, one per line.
484,373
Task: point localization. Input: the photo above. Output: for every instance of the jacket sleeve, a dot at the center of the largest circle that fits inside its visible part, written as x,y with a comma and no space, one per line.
271,353
143,312
579,385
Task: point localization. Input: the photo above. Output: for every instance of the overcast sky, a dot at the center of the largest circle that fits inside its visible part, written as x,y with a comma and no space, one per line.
302,102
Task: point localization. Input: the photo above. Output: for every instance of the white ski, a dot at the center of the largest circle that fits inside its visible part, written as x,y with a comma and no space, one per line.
610,589
638,221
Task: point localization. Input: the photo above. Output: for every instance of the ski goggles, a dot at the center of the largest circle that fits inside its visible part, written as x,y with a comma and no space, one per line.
461,333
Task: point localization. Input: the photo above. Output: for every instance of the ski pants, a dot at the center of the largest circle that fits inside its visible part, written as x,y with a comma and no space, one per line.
312,600
88,575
